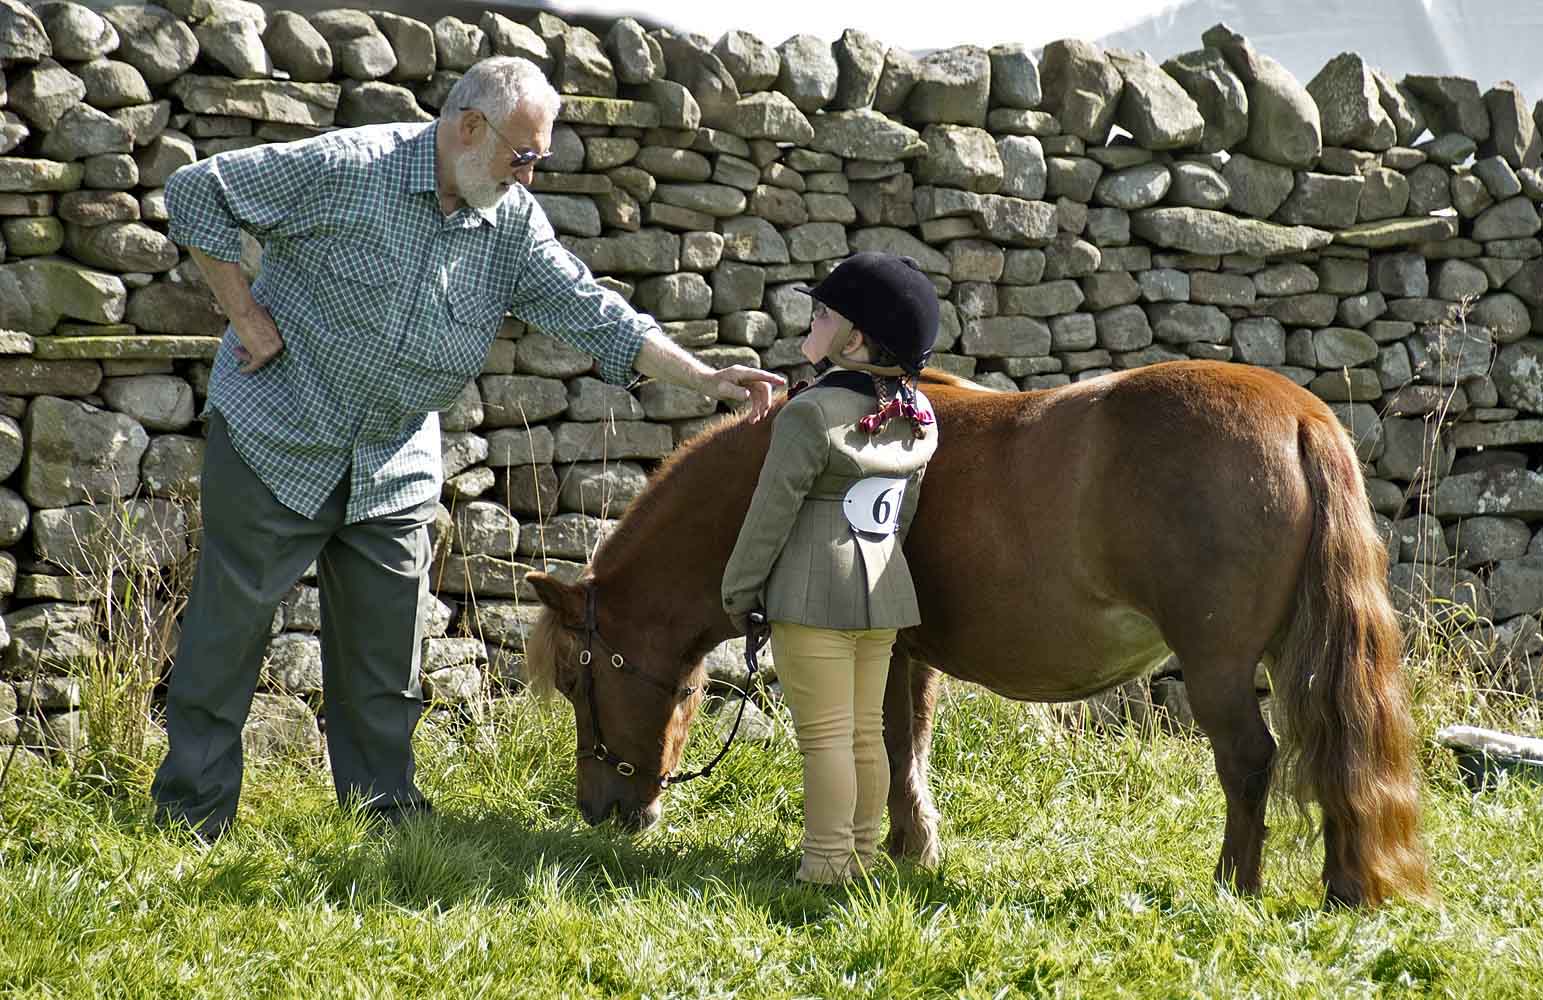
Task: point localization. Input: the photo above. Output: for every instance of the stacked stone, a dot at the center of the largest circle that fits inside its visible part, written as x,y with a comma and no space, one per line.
79,221
1093,212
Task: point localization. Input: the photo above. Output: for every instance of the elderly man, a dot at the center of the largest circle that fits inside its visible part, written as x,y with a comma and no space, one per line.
391,254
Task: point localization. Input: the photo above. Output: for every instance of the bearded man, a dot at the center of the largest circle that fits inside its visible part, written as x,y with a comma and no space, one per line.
391,253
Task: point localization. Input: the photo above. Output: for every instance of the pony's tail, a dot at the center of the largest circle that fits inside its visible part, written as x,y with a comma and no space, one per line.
1347,734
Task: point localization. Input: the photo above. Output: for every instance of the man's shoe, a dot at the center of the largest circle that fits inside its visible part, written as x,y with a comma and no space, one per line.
394,814
204,833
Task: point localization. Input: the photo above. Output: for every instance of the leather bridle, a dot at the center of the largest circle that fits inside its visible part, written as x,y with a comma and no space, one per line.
755,638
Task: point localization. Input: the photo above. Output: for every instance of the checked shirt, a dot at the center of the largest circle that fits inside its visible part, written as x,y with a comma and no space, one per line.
387,307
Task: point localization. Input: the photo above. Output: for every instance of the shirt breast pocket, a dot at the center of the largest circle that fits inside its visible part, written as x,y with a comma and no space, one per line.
360,284
474,311
446,363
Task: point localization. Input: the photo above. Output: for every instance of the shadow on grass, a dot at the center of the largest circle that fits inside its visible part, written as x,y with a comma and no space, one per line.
300,850
511,859
305,851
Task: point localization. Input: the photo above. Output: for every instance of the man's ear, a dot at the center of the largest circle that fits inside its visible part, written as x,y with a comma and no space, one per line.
856,345
567,599
466,122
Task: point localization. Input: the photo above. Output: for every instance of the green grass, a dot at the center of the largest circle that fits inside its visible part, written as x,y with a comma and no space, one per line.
1076,865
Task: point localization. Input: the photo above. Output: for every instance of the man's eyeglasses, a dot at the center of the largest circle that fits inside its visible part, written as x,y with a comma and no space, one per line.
519,157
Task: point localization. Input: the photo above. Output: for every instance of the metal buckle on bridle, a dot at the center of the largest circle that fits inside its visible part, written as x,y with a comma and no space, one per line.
623,768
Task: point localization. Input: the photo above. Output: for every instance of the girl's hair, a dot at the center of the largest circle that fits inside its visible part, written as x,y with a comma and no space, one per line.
497,85
878,355
882,357
897,397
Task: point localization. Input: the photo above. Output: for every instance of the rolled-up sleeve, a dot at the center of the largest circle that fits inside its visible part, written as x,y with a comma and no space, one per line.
798,452
557,294
261,190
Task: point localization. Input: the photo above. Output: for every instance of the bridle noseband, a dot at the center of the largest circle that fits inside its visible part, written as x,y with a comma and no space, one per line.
599,751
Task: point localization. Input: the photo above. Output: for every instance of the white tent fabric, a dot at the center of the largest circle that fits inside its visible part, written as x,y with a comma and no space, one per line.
1484,40
914,26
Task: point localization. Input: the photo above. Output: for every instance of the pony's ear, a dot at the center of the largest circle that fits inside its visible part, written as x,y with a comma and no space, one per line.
567,599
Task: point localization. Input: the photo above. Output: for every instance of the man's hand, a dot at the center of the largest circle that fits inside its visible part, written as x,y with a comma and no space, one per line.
255,329
260,339
739,384
662,358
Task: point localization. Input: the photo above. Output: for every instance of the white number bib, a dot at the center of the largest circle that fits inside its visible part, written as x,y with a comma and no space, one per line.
872,505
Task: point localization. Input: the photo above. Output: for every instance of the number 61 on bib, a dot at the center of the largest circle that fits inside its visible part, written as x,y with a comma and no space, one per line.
872,505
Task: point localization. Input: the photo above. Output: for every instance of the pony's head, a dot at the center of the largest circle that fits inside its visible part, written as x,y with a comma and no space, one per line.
634,689
625,643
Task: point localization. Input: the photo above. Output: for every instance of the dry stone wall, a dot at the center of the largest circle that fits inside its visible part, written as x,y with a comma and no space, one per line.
1375,240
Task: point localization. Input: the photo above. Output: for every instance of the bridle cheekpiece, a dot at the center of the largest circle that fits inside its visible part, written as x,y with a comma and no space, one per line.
598,749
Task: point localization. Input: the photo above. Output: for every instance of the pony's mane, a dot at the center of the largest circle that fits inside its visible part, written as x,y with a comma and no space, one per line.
548,642
937,376
663,483
543,646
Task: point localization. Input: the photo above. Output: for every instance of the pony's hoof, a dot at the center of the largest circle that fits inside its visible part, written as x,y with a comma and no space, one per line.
919,847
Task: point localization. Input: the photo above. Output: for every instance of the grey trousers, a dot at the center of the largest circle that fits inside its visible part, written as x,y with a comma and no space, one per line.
373,577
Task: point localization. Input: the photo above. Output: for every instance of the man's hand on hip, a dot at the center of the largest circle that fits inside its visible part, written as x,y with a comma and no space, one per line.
260,339
255,329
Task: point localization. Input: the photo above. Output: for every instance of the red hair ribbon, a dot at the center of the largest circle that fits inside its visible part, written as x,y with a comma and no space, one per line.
919,418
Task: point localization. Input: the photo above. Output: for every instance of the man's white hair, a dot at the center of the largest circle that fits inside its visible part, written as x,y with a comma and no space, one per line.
499,84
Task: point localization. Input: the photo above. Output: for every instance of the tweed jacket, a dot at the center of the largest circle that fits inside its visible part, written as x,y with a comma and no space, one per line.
798,556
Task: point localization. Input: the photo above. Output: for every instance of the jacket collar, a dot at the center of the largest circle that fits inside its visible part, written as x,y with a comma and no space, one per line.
839,378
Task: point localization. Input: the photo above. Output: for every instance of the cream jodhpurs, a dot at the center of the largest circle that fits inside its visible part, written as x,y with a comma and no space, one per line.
833,681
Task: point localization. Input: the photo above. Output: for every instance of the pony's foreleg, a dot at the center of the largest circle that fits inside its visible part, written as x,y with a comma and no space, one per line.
909,700
1221,694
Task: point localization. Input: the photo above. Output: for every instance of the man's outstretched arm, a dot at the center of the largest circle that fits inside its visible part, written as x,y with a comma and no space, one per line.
662,358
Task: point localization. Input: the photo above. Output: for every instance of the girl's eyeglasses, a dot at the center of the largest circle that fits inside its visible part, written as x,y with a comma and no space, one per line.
519,157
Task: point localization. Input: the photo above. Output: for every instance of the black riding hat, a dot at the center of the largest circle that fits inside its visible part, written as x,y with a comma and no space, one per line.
890,300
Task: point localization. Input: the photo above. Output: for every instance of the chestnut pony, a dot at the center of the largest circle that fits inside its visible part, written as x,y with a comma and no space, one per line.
1065,541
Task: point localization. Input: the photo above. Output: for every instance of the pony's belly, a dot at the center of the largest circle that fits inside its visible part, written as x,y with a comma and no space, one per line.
1128,646
1067,659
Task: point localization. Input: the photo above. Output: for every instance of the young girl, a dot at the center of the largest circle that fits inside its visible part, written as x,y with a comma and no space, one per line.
820,549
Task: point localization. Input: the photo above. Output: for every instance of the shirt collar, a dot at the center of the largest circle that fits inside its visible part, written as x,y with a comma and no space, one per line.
420,162
421,178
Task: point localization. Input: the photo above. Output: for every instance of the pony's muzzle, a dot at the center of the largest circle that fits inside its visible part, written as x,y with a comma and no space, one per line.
628,820
594,815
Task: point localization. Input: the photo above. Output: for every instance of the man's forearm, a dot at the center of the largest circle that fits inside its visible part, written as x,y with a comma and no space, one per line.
229,284
260,340
662,358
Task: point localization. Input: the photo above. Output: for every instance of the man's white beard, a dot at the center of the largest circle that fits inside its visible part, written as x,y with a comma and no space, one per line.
474,177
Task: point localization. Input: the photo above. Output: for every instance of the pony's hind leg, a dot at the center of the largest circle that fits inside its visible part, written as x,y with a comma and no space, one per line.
1339,888
1221,695
909,700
